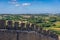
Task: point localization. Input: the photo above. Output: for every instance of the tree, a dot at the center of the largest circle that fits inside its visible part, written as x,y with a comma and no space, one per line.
53,19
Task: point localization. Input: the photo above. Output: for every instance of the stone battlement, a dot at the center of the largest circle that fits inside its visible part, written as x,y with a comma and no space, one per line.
16,27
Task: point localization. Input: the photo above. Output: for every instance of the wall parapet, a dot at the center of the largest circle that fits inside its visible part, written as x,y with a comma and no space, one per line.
17,27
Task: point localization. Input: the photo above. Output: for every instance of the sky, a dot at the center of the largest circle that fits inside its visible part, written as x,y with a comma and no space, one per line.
29,6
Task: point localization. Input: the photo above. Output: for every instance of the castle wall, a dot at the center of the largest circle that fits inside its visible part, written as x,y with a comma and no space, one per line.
23,35
24,32
7,36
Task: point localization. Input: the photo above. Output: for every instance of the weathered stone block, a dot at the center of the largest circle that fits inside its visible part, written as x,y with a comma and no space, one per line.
2,24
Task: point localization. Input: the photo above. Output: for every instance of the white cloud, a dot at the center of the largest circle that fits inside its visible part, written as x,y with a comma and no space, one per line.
12,2
26,4
17,5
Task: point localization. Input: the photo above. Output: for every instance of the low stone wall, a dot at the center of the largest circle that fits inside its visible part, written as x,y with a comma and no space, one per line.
13,35
23,35
7,36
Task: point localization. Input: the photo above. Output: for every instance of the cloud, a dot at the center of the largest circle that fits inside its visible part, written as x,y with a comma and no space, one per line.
17,5
26,4
12,2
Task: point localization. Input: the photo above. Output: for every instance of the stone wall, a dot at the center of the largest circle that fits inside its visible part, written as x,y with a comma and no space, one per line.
23,35
7,35
23,31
